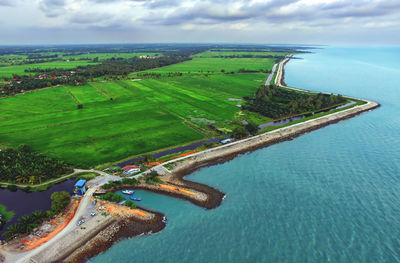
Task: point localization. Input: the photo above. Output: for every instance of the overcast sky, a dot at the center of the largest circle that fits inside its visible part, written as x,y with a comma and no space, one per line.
344,22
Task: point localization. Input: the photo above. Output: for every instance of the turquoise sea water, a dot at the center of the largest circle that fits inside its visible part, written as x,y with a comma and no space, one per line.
332,195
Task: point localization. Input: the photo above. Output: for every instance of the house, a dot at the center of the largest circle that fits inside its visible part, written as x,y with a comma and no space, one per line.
131,169
80,188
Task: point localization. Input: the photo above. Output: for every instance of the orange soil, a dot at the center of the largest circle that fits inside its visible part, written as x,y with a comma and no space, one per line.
177,189
139,212
184,154
149,165
40,241
113,209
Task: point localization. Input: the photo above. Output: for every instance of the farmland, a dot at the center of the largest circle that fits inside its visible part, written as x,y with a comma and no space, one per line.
227,52
133,116
10,64
207,65
8,71
143,116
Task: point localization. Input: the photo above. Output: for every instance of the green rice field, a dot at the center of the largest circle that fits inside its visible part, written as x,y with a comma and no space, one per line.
143,116
215,65
8,71
213,54
127,118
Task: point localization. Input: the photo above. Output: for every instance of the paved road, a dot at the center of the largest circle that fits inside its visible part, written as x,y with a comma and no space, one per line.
270,75
82,210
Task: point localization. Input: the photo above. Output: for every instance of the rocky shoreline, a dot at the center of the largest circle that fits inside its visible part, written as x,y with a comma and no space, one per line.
126,227
197,193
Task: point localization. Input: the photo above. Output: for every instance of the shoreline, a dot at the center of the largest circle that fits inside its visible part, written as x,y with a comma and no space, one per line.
227,152
113,233
129,227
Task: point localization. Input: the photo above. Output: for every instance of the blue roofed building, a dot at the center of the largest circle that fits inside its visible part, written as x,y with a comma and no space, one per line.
80,187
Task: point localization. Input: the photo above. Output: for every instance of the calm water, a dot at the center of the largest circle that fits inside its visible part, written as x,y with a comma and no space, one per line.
23,203
332,195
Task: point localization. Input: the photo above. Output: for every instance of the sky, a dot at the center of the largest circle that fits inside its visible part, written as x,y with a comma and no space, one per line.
332,22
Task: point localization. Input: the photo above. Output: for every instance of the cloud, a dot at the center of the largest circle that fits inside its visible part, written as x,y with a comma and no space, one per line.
6,3
197,19
52,8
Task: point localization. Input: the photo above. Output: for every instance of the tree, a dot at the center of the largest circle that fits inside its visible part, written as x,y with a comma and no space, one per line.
252,128
148,158
60,200
239,132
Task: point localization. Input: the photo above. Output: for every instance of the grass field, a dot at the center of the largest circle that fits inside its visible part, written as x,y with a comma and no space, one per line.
8,71
8,67
103,56
142,116
213,54
200,65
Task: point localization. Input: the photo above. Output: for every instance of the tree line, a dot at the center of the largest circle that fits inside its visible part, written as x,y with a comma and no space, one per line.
277,103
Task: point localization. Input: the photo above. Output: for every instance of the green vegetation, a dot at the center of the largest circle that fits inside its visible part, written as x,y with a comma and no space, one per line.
60,200
116,198
207,66
90,121
86,176
25,166
5,215
27,223
9,71
120,183
278,103
142,117
130,204
243,54
112,197
152,178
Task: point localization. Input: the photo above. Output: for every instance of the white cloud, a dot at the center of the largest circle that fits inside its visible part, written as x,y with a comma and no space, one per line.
225,19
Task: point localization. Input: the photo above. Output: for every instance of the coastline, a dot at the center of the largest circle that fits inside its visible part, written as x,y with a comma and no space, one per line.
221,154
113,231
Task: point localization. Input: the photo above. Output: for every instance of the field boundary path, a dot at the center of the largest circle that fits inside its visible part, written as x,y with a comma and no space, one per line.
75,172
72,96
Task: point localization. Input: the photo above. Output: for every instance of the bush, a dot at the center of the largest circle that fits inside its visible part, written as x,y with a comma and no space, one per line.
25,224
130,204
239,132
112,197
152,178
60,200
252,128
129,181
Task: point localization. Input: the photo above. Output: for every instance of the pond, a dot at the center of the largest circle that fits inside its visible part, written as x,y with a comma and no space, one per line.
23,203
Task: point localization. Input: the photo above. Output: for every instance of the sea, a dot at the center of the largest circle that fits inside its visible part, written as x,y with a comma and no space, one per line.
331,195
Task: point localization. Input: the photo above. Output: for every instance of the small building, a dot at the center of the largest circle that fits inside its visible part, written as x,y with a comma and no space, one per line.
80,188
131,169
226,140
